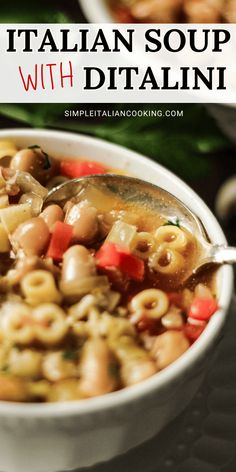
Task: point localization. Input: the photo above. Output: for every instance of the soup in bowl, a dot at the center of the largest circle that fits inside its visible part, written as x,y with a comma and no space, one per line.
173,11
94,314
160,11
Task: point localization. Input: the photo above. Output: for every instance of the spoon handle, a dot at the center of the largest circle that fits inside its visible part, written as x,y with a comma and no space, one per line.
223,254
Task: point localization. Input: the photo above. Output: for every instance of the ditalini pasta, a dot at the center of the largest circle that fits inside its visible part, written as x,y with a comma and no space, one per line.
92,298
39,286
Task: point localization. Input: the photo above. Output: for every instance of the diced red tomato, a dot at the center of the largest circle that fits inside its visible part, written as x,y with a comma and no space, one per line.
202,308
76,169
193,331
113,256
60,240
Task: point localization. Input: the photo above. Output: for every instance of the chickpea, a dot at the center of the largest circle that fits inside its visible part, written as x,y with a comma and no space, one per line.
97,377
77,262
51,215
84,219
168,347
12,389
56,368
173,318
35,162
202,291
32,236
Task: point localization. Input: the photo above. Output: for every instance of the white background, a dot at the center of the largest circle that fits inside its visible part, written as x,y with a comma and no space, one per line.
12,90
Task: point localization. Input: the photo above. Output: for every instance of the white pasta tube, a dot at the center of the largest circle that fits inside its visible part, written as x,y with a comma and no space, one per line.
55,367
4,201
64,391
174,237
39,286
25,363
114,327
50,323
151,303
143,245
80,310
167,261
7,148
80,328
40,389
17,324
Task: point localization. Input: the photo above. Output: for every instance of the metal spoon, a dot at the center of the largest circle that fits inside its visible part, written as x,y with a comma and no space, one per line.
153,198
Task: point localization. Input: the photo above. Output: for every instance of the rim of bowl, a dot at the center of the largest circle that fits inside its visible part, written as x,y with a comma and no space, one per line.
174,370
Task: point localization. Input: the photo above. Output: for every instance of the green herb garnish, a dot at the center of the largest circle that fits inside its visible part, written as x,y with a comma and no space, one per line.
68,355
5,368
34,146
113,370
173,223
47,163
16,346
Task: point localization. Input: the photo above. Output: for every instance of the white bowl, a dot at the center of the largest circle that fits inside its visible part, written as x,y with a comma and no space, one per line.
56,437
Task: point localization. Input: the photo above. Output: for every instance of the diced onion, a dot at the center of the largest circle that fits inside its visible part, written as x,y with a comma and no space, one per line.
14,215
34,201
122,233
28,184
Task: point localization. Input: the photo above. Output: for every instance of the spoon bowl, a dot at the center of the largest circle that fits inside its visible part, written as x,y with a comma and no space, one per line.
151,198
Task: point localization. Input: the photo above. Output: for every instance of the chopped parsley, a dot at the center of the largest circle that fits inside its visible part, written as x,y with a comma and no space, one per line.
34,146
47,163
173,223
113,370
68,355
